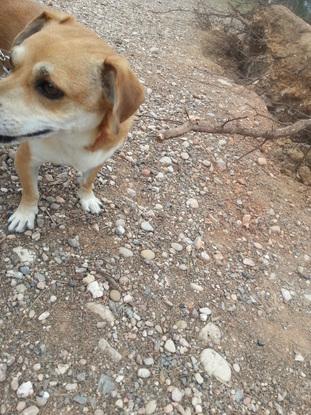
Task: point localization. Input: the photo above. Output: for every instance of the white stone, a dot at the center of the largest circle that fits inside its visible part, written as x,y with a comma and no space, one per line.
147,254
192,203
196,287
20,406
205,256
24,255
14,383
62,368
31,410
299,357
3,369
184,155
43,398
125,252
120,230
143,373
128,298
249,262
102,311
166,161
236,367
168,409
96,289
148,361
199,378
170,346
177,247
215,365
44,316
210,332
109,350
131,192
177,395
25,390
286,295
119,403
88,279
205,310
146,227
262,161
71,387
307,296
151,407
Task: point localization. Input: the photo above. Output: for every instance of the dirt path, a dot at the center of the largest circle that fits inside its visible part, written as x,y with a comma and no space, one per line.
231,268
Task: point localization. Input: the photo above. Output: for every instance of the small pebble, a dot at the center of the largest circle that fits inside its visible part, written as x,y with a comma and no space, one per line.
44,316
147,254
3,370
96,289
170,346
177,395
262,161
31,410
143,373
286,295
166,161
151,407
192,203
25,390
177,247
146,227
115,295
236,367
249,262
125,252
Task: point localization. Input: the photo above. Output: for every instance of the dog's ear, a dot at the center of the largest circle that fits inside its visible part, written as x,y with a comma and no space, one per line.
39,22
122,91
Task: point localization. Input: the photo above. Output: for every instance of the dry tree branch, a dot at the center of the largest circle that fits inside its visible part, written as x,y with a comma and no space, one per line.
224,129
170,11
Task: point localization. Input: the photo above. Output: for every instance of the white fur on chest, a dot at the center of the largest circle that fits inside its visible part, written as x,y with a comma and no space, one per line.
69,151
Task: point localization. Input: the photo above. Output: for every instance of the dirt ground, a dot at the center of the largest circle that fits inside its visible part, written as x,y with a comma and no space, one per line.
229,271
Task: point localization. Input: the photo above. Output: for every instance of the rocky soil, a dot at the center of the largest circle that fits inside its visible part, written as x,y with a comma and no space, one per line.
191,292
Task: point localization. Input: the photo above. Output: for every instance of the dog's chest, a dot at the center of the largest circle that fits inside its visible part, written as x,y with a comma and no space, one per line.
59,151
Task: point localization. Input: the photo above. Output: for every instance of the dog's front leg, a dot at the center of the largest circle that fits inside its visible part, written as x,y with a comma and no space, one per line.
89,202
27,170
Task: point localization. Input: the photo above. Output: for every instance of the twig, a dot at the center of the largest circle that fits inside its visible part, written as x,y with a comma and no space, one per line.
206,127
253,149
170,11
233,119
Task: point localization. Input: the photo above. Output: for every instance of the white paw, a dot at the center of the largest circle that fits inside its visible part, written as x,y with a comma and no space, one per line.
90,203
23,218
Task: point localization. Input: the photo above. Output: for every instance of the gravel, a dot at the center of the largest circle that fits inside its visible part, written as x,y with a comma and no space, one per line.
196,266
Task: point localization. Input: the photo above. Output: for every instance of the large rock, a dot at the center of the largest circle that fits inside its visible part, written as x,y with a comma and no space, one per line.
215,365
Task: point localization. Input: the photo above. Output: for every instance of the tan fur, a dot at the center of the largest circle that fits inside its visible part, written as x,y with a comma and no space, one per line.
26,175
96,82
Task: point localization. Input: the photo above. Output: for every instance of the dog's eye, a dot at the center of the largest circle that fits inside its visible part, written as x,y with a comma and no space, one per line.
49,90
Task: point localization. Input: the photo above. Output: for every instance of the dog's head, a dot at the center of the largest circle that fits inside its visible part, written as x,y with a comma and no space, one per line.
65,79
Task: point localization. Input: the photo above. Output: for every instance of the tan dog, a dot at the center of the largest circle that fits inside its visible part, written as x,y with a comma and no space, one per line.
70,100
